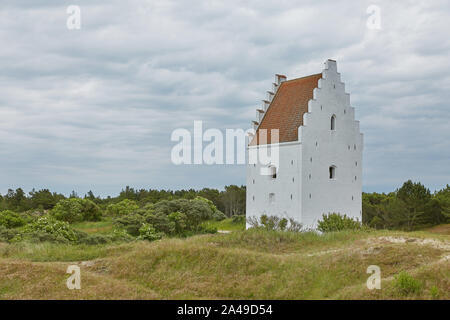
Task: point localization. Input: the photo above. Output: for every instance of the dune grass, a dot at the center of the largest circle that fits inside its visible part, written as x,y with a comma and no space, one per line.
91,227
251,264
225,225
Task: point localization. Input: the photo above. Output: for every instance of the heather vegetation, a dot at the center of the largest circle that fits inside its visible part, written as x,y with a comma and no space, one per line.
43,216
140,244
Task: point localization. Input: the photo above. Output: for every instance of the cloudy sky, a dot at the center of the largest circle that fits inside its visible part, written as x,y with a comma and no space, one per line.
95,108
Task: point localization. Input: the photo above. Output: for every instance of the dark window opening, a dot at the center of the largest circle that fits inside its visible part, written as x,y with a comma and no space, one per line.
332,170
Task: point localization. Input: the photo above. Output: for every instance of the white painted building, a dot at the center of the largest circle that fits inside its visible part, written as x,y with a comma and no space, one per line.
319,168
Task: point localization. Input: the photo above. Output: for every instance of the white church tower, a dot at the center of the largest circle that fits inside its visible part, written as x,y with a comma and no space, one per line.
319,164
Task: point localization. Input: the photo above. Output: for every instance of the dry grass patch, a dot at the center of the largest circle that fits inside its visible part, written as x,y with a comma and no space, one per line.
25,280
250,264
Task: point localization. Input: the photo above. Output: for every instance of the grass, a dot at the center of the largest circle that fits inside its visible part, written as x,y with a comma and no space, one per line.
251,264
103,226
225,225
440,229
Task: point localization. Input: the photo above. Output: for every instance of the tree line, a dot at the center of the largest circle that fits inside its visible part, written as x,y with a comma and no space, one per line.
412,206
230,201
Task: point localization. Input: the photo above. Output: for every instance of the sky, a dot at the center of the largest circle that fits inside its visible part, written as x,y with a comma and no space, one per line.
94,108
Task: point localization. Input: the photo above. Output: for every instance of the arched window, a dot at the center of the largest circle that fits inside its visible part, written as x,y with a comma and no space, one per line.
333,122
332,172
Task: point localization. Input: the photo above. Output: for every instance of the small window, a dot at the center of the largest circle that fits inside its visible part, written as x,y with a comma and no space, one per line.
356,163
253,198
345,111
271,197
310,159
332,170
253,181
333,122
316,144
291,196
293,180
354,147
310,176
310,195
355,178
273,172
292,162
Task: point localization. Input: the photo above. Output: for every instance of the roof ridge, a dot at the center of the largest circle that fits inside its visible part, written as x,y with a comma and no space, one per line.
311,75
285,111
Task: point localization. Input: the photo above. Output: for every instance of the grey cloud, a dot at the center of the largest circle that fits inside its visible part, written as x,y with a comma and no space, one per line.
94,108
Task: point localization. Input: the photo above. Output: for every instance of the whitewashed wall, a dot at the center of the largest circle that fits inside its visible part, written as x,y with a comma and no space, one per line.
287,183
322,147
303,168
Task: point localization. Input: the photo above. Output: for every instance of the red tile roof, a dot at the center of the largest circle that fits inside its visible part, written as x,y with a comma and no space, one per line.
286,110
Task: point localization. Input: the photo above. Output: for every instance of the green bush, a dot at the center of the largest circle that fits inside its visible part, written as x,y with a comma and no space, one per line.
122,208
148,232
117,235
207,230
131,223
10,219
171,217
274,223
216,213
47,229
194,213
7,234
405,284
179,221
76,210
336,222
238,219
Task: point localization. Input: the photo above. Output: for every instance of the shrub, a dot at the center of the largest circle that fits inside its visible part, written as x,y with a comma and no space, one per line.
94,239
148,232
10,219
207,230
238,219
161,222
47,229
273,223
337,222
171,217
179,221
216,213
195,212
76,210
219,215
7,234
122,208
405,284
131,223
